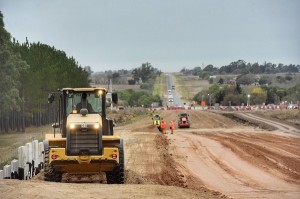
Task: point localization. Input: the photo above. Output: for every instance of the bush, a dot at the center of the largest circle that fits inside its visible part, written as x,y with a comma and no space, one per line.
146,86
235,100
288,78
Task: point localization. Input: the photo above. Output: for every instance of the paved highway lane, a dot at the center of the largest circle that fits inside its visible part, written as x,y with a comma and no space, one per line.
171,87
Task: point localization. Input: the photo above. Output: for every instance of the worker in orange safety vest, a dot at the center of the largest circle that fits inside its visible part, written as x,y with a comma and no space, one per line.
172,127
163,126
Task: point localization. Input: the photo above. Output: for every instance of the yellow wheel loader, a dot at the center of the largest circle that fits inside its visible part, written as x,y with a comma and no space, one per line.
85,143
156,119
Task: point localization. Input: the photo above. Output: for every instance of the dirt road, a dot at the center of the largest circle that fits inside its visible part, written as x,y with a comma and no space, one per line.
284,128
215,158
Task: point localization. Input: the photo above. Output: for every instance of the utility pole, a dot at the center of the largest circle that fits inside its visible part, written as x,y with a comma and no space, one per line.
209,95
248,99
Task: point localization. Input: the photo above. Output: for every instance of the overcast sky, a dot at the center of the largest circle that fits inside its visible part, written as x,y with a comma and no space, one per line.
170,34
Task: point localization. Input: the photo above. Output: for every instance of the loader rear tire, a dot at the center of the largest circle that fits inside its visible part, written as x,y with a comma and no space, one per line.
116,176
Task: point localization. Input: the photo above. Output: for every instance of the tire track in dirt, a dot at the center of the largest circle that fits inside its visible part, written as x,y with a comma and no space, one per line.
278,162
202,164
228,164
287,146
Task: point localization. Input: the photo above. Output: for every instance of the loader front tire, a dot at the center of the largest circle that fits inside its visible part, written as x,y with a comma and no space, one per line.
49,171
116,176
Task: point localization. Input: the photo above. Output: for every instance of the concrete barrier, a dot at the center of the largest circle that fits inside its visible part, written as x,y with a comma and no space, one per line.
225,108
29,153
14,169
35,151
22,157
7,171
30,161
28,168
35,157
41,156
175,108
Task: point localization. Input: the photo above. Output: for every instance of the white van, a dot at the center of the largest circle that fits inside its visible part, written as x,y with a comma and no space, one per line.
170,97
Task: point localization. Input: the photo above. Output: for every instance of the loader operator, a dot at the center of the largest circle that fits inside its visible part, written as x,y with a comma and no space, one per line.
84,104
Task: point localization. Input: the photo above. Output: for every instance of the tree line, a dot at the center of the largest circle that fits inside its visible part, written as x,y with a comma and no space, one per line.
242,67
28,72
141,98
248,86
145,75
236,95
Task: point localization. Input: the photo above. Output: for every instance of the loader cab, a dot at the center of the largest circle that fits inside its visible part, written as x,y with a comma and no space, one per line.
80,101
91,101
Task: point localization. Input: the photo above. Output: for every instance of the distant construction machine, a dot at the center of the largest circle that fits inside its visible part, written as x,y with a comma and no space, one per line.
183,120
156,119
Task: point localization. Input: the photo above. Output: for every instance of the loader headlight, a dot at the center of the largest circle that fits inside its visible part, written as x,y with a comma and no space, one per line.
100,92
72,126
96,126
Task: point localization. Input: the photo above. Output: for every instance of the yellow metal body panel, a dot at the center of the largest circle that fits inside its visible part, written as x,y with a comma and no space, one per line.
49,136
61,143
83,164
77,118
156,120
85,89
106,139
